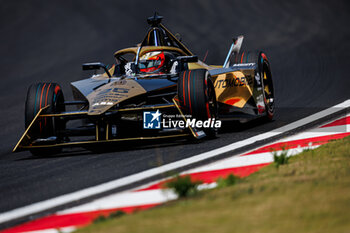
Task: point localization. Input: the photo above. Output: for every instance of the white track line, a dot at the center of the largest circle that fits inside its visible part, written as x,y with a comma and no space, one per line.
319,132
67,198
124,199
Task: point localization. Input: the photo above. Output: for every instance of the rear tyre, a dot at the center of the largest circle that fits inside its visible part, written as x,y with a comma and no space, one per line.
38,96
265,74
197,97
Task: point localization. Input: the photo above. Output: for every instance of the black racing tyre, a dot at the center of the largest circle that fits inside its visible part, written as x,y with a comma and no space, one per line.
38,96
197,97
265,75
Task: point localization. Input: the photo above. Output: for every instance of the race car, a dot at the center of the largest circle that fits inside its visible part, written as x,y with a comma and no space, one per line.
158,89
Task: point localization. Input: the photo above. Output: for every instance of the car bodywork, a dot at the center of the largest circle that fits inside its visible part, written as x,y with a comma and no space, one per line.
112,103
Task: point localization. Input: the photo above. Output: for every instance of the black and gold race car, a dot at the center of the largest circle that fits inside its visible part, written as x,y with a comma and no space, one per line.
158,89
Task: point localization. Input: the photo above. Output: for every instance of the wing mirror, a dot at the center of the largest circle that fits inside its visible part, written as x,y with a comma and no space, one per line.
96,66
182,62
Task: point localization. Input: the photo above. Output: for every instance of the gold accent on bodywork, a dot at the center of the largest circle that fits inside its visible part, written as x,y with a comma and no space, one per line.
64,114
234,88
25,134
183,116
116,110
147,49
97,133
105,97
146,108
216,66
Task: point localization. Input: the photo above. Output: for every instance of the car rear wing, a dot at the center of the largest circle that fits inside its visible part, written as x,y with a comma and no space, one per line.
234,49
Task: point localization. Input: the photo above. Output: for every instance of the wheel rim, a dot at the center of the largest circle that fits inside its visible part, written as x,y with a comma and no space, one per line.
268,92
212,106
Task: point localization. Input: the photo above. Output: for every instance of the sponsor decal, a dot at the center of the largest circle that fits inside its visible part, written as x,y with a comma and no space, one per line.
243,64
233,82
102,103
109,96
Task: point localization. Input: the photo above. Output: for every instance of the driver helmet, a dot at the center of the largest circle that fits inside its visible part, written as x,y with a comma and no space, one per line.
153,62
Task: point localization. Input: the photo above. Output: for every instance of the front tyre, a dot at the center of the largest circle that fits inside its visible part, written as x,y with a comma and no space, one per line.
38,96
267,85
265,74
197,97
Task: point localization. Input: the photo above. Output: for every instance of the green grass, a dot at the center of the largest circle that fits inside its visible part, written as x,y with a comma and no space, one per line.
102,218
309,194
183,186
227,181
280,158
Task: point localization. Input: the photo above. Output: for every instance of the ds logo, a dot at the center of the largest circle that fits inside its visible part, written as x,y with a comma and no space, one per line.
151,120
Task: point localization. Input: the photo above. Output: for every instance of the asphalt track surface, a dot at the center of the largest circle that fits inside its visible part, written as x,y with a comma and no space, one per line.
307,43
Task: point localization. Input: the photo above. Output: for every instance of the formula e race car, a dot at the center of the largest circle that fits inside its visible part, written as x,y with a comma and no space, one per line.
158,89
